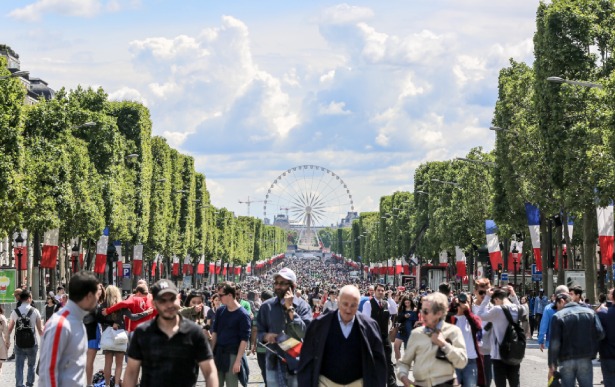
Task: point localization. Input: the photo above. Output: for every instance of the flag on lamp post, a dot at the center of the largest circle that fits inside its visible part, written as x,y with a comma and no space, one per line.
493,244
175,268
200,269
137,260
188,265
49,257
533,221
605,234
460,262
101,252
154,265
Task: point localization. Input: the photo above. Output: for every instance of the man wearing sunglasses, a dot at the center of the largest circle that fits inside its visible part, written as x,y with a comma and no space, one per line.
170,349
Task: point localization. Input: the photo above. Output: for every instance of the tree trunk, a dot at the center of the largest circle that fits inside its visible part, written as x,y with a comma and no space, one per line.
561,280
568,238
589,250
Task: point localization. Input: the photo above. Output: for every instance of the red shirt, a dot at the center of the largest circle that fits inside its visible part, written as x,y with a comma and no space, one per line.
136,304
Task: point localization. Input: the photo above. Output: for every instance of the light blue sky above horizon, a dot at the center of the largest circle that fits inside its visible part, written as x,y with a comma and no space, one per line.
369,89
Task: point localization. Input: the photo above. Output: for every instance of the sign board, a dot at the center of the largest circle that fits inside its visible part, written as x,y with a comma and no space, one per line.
126,270
504,277
536,275
575,277
7,285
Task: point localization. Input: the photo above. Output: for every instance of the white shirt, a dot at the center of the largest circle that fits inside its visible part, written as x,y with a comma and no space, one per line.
346,328
367,307
466,330
35,318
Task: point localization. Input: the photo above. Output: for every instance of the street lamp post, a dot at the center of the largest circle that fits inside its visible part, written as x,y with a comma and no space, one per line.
515,255
19,244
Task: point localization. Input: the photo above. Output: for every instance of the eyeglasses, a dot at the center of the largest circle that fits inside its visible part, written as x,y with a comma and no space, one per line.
425,312
278,283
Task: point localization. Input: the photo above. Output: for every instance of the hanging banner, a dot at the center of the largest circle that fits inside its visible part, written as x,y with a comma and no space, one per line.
49,257
101,252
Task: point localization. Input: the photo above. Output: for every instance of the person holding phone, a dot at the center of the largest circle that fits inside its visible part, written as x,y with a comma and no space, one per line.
284,313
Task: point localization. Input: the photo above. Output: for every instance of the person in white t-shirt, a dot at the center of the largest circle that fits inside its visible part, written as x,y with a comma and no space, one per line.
21,354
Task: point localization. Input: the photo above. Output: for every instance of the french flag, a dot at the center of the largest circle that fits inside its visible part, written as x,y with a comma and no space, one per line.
154,266
137,260
120,258
175,267
200,269
460,260
533,221
101,252
605,234
49,257
493,244
188,265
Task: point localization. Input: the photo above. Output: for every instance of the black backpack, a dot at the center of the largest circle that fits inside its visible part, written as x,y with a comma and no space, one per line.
24,332
512,347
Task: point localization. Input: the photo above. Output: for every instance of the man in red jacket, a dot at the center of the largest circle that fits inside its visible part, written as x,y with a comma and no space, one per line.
138,303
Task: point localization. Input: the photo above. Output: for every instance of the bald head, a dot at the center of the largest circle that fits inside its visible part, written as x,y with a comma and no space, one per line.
350,290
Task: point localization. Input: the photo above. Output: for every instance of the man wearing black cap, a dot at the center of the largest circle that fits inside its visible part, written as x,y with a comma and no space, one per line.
169,348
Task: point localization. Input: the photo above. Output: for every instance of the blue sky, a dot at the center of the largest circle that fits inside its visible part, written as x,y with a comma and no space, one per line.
369,89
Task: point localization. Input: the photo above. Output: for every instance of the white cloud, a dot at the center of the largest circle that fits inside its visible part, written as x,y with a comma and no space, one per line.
334,109
345,14
74,8
217,71
127,94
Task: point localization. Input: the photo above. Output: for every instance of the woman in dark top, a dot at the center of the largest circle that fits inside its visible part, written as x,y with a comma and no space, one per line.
211,314
51,306
407,316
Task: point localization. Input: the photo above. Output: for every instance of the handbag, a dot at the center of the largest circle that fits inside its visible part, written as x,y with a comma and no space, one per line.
393,333
114,340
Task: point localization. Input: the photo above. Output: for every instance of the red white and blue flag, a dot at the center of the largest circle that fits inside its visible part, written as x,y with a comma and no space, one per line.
101,252
460,260
493,244
605,234
137,260
49,257
533,222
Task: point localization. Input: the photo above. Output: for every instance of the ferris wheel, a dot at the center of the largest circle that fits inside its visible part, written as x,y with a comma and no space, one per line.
305,198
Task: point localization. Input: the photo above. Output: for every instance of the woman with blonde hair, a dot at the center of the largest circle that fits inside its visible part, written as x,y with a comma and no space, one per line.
116,321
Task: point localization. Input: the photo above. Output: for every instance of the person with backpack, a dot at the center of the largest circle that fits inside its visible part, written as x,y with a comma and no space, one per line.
24,320
504,315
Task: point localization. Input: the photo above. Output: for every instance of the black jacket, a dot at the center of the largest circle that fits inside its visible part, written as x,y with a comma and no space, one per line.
373,359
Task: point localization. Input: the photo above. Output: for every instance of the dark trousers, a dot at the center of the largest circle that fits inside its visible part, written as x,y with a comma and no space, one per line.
503,372
262,364
488,369
532,325
388,352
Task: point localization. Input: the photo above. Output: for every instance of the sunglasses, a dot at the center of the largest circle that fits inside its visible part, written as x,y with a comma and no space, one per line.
278,283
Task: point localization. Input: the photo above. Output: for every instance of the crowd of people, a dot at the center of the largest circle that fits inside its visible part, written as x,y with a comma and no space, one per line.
309,323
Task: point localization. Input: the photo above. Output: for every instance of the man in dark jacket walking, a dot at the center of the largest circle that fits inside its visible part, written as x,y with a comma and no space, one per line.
575,335
607,346
344,347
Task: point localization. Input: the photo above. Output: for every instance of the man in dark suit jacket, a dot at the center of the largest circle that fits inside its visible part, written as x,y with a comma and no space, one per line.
344,347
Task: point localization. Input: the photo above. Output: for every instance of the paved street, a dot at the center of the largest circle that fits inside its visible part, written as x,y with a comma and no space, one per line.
533,369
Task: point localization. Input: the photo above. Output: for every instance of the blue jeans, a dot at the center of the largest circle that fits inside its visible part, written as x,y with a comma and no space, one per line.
21,354
273,376
468,375
580,370
608,372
